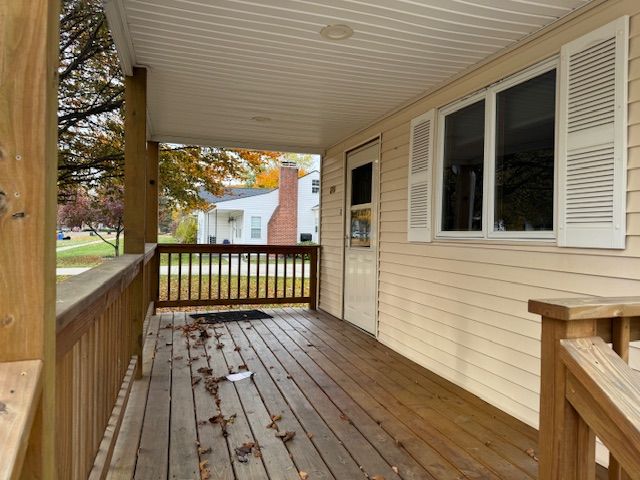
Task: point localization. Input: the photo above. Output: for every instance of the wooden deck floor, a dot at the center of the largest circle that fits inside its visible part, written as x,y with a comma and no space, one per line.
357,409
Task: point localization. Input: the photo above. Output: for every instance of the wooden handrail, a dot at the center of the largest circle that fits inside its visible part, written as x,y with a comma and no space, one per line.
97,313
20,390
82,298
272,274
567,439
605,391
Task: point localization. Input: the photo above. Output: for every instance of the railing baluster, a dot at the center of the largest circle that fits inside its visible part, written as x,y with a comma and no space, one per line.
284,286
293,286
304,261
210,273
190,276
276,277
229,279
258,276
248,275
219,275
200,276
169,277
179,276
239,274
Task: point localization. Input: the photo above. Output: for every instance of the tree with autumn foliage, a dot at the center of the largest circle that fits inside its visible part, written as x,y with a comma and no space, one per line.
102,209
91,128
268,175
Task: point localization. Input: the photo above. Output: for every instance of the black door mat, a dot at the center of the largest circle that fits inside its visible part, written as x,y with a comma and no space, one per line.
231,316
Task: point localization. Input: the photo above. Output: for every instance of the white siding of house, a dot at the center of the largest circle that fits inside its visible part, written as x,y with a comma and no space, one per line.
459,308
306,201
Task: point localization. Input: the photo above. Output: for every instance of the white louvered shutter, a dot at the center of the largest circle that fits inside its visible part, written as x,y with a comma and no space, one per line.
420,177
592,141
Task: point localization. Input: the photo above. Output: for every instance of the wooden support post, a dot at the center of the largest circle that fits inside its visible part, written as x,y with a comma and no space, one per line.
151,229
561,429
153,162
29,39
135,193
620,338
313,279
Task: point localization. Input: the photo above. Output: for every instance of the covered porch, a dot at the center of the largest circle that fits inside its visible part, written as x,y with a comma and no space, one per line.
96,381
355,408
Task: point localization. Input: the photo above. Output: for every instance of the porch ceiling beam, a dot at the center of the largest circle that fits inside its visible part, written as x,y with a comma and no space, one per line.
254,145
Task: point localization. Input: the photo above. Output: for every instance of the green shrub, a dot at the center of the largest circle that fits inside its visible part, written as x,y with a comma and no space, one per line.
187,231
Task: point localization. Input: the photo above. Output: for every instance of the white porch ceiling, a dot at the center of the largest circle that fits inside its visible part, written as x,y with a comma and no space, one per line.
215,64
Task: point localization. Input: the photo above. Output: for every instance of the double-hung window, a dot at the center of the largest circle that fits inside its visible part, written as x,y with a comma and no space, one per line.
256,227
496,169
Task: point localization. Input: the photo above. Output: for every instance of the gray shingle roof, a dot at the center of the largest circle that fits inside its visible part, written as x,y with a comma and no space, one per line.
233,194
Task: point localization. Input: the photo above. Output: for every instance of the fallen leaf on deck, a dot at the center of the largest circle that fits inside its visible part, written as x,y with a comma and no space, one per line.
220,346
244,450
243,367
205,474
303,475
344,417
310,435
377,477
274,419
205,370
178,357
395,469
237,349
285,436
3,407
195,381
203,451
531,452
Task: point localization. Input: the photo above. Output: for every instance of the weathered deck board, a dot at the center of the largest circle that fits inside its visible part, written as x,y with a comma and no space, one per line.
357,408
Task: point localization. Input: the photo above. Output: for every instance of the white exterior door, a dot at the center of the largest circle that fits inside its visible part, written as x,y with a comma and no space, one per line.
360,252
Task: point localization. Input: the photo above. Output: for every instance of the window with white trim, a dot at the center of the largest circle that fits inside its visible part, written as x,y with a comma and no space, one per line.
256,227
496,160
315,186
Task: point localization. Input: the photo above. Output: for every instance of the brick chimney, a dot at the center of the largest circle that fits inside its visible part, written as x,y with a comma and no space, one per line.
283,226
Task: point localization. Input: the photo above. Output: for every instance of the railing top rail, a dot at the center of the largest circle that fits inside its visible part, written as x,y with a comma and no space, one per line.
234,248
606,393
569,309
23,379
81,292
149,251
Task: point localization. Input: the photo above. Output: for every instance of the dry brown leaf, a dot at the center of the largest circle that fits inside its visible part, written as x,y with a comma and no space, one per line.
395,470
303,475
377,477
285,436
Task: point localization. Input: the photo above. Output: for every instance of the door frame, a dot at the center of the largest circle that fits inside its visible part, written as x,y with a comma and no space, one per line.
376,184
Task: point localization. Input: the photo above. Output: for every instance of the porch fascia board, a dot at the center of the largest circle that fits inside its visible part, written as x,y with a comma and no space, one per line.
226,143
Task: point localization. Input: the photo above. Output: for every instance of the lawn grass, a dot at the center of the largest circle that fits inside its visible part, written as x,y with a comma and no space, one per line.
76,240
201,291
87,256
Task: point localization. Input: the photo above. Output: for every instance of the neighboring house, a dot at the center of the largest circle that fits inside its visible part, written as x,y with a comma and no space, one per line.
280,216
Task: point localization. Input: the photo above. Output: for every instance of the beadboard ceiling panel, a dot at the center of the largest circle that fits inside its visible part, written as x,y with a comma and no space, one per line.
216,65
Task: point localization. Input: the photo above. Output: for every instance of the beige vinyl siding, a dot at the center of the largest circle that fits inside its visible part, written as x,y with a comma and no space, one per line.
459,308
331,235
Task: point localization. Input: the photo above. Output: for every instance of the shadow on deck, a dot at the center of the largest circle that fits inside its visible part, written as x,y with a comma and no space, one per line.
357,409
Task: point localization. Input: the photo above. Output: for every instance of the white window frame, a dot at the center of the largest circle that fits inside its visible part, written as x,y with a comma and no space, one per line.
488,184
252,228
442,113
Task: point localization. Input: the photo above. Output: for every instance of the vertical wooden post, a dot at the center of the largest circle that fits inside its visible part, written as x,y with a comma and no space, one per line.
620,338
29,38
151,228
562,431
153,161
313,279
135,193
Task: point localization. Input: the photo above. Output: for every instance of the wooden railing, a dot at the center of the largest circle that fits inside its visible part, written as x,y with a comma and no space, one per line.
201,275
96,361
587,388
